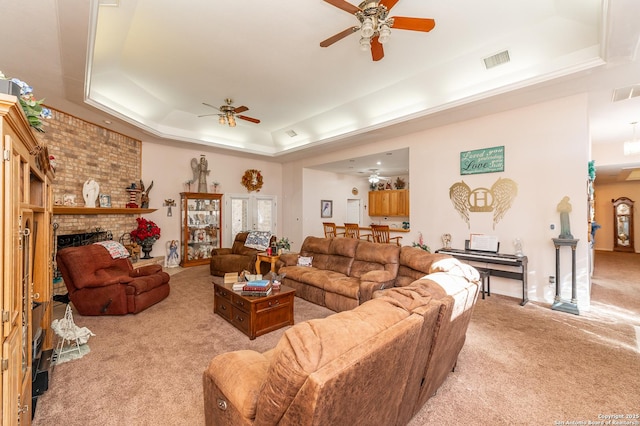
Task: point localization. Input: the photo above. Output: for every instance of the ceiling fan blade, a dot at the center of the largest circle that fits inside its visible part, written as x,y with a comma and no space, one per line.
207,115
240,109
209,105
244,117
328,42
388,3
347,7
414,24
377,52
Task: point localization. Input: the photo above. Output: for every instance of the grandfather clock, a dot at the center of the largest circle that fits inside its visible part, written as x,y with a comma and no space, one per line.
623,224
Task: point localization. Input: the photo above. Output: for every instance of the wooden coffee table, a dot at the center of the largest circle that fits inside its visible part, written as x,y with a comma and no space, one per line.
254,316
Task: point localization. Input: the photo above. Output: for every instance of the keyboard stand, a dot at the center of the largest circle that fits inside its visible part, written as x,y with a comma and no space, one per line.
496,259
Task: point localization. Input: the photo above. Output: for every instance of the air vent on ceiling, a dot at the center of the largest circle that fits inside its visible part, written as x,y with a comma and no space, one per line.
291,133
626,92
497,59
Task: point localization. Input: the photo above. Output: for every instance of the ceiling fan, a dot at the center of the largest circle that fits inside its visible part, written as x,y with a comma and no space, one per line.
375,24
375,177
228,113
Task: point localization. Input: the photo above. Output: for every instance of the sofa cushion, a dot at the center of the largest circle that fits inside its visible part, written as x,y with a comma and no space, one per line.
415,263
308,346
374,257
318,248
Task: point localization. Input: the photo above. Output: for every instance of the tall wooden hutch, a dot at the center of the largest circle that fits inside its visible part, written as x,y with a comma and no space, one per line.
201,222
25,259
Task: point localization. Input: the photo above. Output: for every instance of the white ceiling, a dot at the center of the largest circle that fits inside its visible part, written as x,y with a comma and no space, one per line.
146,66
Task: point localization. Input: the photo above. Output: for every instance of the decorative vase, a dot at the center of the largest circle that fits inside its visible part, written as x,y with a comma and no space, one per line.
146,249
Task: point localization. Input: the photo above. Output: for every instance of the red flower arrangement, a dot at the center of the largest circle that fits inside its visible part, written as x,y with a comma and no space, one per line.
146,232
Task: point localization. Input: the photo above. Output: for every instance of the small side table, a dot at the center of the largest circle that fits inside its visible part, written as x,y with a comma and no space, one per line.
558,303
264,257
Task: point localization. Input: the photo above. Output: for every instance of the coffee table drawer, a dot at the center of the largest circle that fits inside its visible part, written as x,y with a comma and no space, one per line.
274,302
221,292
241,320
223,307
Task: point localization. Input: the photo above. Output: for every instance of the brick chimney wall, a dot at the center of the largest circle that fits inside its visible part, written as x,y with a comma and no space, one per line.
83,151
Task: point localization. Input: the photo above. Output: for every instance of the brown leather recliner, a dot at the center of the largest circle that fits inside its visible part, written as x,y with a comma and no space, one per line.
101,285
237,258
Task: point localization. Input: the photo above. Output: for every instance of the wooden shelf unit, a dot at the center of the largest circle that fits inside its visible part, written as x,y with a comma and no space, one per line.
26,241
98,210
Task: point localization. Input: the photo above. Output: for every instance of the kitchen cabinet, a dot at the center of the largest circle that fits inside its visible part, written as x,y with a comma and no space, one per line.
390,202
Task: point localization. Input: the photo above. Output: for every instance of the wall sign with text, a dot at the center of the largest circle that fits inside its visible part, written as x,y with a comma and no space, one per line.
487,160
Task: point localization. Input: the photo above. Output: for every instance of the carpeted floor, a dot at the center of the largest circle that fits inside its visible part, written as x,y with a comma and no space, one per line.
519,366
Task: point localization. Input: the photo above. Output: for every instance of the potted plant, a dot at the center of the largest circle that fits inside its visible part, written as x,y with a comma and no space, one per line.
146,234
283,244
32,108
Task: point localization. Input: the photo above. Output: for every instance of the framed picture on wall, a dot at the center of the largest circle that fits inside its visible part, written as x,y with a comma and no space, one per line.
105,200
326,208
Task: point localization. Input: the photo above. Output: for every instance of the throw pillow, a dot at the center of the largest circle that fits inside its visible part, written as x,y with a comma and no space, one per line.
305,260
115,249
258,240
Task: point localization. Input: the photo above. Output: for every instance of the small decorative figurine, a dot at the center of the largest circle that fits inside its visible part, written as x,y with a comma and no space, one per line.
564,208
90,191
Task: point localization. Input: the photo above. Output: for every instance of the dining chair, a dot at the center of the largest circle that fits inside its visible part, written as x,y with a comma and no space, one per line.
330,230
381,235
352,230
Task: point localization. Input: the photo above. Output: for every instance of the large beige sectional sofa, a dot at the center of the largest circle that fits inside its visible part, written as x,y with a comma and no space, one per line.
345,272
374,364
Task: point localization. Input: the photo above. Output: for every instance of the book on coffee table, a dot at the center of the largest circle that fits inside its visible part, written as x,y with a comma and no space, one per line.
256,293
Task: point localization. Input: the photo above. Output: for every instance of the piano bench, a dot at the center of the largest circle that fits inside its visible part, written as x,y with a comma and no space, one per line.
485,277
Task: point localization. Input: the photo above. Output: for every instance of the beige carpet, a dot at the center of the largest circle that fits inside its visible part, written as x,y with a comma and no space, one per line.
519,366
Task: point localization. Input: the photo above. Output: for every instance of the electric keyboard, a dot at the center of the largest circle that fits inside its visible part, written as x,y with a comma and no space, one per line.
496,259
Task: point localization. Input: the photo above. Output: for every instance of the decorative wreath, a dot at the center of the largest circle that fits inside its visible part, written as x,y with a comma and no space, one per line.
252,180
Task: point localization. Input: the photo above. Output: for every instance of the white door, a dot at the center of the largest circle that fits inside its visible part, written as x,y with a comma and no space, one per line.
353,210
248,212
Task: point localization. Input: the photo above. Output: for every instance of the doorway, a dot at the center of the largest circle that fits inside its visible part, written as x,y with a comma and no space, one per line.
248,212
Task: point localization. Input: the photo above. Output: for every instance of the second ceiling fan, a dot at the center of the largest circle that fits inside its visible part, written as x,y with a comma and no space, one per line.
375,24
229,113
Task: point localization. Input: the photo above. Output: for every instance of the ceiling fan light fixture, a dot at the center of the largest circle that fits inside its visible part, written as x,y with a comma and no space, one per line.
385,33
365,44
374,178
221,119
232,120
366,30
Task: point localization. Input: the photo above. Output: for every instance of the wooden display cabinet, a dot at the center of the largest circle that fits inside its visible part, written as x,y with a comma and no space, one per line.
201,224
26,264
389,202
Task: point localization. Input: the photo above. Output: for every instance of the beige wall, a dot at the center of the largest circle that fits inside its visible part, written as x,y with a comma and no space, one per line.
169,167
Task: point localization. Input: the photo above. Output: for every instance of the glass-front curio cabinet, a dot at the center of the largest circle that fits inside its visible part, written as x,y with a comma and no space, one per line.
201,221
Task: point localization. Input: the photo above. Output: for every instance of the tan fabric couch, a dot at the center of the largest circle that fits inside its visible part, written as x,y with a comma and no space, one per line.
344,273
344,369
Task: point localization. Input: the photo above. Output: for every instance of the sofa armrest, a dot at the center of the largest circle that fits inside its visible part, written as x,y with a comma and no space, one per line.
145,270
220,251
373,281
237,378
288,259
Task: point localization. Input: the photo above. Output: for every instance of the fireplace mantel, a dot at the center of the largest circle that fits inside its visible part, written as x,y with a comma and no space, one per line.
98,210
